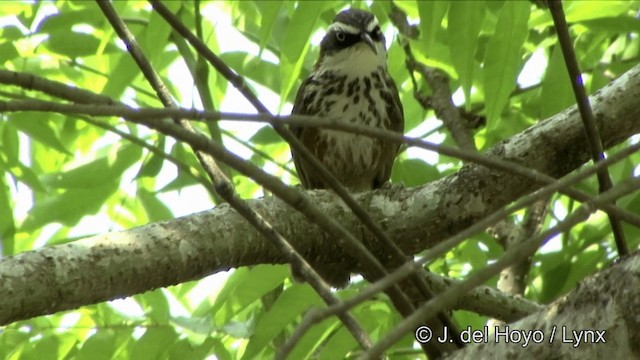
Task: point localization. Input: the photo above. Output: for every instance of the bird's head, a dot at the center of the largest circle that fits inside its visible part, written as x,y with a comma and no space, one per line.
353,42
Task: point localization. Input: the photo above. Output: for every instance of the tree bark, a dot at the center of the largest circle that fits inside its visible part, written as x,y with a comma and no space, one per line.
124,263
597,320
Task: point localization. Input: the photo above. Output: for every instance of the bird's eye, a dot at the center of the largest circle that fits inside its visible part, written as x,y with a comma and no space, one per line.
340,36
376,34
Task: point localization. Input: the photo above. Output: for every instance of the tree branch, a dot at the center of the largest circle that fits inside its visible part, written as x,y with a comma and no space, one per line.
606,302
512,256
161,254
590,126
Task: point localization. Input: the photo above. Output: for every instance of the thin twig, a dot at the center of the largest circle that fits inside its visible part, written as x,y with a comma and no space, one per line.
446,111
440,100
223,187
260,153
512,256
634,149
586,114
298,120
478,226
182,167
451,116
370,263
513,279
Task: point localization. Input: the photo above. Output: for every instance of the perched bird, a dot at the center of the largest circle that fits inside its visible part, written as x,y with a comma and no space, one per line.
350,82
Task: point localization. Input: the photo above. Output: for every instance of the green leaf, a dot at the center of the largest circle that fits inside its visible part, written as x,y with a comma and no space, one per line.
414,113
613,25
314,338
301,26
72,44
11,341
579,11
154,344
105,170
25,175
39,127
465,22
269,11
576,11
557,93
238,329
8,51
258,70
246,286
185,349
156,210
48,345
296,43
155,306
7,221
289,306
431,14
69,207
9,144
155,38
287,72
122,75
266,135
100,346
55,346
554,281
198,325
10,32
413,172
182,153
181,181
65,20
341,342
152,166
503,58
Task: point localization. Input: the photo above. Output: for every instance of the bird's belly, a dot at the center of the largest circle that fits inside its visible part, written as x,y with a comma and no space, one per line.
353,158
359,162
349,154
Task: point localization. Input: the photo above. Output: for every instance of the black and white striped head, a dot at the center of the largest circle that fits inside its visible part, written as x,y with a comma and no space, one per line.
353,40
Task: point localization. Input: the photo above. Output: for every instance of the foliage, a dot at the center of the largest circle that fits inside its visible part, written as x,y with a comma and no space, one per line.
70,177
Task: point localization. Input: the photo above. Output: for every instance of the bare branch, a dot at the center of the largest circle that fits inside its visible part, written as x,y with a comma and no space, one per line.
512,256
593,134
182,249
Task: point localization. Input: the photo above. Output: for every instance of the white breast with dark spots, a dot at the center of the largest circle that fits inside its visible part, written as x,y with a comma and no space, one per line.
354,99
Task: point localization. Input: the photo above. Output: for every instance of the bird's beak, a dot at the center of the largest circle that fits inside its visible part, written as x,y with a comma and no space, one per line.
367,40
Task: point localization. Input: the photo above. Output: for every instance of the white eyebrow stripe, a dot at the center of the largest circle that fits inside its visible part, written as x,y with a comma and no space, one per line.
342,27
372,25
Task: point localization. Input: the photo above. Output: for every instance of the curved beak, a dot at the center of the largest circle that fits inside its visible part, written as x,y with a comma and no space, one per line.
366,38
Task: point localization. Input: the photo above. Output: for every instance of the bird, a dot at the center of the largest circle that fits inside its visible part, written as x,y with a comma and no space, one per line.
349,82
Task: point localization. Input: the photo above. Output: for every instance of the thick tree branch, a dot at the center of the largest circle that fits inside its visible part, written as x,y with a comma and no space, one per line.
606,304
373,267
147,116
512,256
160,254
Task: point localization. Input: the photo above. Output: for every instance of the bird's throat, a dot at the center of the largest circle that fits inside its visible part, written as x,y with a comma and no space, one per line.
357,60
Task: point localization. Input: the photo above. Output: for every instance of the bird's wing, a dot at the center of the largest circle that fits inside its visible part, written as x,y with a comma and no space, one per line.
389,151
300,107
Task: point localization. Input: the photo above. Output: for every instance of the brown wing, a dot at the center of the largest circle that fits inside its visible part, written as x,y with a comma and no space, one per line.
305,134
395,123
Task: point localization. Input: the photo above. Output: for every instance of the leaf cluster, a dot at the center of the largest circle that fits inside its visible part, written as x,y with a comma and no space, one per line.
67,177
